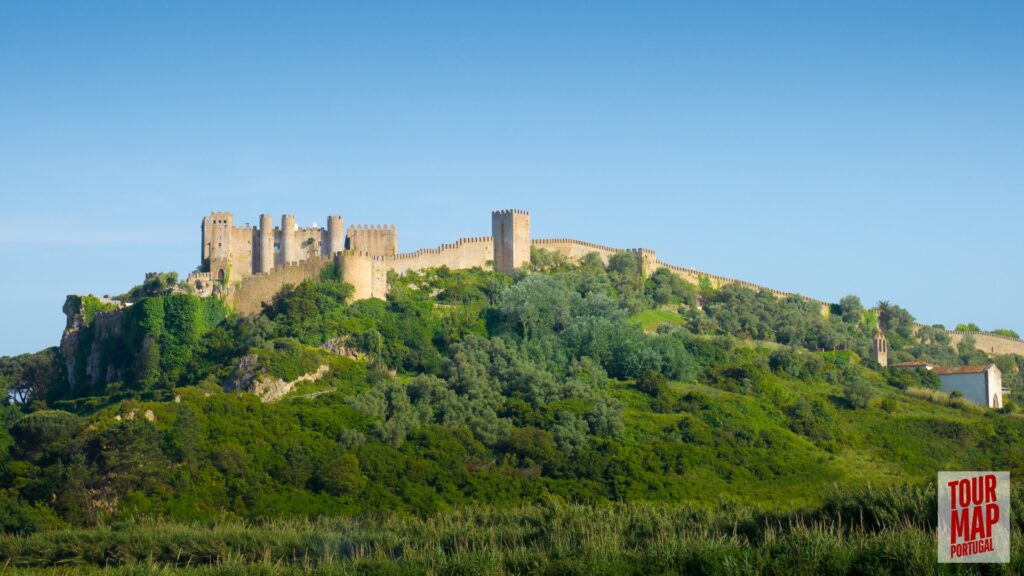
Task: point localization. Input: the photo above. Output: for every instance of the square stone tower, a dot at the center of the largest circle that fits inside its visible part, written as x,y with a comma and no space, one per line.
510,230
217,236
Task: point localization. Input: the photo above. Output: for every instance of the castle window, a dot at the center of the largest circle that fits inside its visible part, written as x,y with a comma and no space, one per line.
277,246
220,274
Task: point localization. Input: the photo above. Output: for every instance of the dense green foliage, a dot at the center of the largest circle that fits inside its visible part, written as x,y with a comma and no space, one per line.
27,378
567,383
147,346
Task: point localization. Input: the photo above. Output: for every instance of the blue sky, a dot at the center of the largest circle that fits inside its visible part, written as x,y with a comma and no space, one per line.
872,148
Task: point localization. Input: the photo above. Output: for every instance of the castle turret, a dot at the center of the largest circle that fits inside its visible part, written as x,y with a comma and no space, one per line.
335,235
880,352
288,252
367,274
510,230
266,243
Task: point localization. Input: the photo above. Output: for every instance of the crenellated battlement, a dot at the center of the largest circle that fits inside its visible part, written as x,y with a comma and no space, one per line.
597,247
443,248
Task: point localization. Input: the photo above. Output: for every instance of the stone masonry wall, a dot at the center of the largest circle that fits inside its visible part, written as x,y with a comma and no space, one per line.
248,296
990,343
574,249
463,253
242,251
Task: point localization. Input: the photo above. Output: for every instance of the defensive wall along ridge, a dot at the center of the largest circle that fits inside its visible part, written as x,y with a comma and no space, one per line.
989,343
368,253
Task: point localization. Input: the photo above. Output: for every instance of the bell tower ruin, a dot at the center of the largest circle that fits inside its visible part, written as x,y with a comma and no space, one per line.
880,351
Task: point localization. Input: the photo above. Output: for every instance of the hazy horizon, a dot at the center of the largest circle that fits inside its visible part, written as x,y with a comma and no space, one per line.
827,150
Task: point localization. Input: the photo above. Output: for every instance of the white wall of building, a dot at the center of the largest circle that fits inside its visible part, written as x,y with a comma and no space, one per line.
979,387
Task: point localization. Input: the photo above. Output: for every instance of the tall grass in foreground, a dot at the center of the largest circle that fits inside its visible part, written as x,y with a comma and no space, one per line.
863,532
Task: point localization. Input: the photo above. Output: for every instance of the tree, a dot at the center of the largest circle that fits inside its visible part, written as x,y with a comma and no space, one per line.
542,260
857,393
625,274
851,308
29,377
968,351
895,319
972,327
537,305
664,287
341,475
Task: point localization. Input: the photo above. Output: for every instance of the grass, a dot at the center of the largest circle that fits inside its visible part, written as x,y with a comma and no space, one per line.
944,399
866,532
650,320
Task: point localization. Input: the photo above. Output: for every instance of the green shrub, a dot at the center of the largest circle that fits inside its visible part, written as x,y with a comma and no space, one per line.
857,393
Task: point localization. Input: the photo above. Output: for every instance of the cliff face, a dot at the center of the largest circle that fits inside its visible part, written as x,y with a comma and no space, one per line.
83,345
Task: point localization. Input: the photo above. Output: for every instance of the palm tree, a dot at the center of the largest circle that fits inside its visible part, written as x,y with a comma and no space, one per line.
885,310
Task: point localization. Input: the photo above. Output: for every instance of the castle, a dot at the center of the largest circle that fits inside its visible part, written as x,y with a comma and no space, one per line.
248,266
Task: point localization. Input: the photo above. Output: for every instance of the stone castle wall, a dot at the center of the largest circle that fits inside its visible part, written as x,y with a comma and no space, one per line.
371,252
463,253
990,343
248,296
368,273
575,249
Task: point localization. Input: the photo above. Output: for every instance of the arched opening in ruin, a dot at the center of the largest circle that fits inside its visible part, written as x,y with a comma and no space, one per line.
220,274
995,401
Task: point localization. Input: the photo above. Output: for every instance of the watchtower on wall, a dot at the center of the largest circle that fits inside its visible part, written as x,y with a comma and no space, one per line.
880,351
510,230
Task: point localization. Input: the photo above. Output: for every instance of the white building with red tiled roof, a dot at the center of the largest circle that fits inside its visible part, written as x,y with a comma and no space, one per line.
981,383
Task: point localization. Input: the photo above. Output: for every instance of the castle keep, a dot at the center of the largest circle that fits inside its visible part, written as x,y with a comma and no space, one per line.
231,253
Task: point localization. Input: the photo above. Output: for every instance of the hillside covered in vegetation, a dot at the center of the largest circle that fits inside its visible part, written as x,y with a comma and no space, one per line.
576,382
580,384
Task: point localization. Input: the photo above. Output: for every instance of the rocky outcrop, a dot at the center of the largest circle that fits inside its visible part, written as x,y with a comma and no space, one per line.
342,346
248,378
75,349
